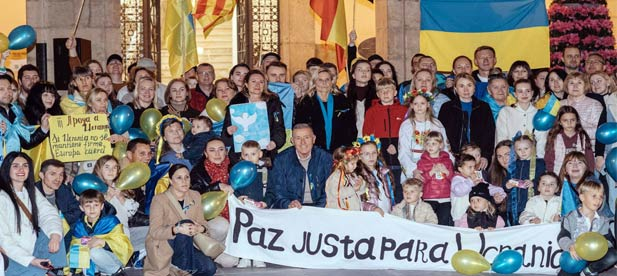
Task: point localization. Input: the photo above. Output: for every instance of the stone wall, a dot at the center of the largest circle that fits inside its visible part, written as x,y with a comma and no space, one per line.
100,23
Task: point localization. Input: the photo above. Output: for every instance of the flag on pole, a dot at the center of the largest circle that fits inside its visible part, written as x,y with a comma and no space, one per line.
333,26
517,30
180,37
211,13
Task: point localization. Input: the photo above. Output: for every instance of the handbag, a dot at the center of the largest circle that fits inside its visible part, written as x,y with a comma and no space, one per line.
209,246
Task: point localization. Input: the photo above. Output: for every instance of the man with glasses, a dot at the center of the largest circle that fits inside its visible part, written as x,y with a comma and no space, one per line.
594,63
27,75
205,87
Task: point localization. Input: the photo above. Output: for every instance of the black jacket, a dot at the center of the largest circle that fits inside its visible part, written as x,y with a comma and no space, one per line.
201,180
37,137
344,130
481,125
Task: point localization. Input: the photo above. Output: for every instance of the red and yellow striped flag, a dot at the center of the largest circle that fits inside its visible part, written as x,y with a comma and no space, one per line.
333,26
180,37
210,13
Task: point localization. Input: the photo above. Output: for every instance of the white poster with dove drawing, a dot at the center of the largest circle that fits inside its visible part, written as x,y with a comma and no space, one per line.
252,122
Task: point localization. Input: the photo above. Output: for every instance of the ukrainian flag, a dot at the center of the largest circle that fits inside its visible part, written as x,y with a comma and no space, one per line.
516,29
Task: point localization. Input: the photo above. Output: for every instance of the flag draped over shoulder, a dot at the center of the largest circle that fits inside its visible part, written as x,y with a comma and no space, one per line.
180,37
333,26
517,30
210,13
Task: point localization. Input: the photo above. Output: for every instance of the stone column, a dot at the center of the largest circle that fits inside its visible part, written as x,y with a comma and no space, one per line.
398,30
297,34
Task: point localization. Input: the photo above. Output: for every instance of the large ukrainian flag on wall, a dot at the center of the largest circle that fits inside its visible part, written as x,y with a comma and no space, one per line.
517,29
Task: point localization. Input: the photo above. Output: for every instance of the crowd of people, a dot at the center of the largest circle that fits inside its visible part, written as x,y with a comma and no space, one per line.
457,149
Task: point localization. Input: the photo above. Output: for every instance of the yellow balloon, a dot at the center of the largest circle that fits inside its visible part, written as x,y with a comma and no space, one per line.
133,176
591,246
216,109
148,121
469,262
119,151
186,125
4,42
213,203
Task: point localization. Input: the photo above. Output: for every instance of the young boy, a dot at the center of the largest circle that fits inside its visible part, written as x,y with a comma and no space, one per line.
195,141
383,119
412,207
251,151
436,168
101,234
585,219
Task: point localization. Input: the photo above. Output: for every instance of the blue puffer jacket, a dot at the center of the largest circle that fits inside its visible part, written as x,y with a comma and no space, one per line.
287,177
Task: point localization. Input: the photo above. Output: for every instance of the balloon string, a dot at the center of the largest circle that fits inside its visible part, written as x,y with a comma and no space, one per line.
78,17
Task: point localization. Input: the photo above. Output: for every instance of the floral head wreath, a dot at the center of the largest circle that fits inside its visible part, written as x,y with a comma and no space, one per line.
350,154
367,138
411,94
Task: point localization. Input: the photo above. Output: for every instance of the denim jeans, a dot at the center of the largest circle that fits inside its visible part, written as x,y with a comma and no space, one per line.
105,261
189,258
41,251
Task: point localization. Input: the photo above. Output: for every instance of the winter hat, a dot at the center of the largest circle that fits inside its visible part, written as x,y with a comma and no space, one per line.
480,190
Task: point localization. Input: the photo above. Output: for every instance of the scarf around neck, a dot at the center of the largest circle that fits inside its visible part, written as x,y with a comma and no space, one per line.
218,172
328,114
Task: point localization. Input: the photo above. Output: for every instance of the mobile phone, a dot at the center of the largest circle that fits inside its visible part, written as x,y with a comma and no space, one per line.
46,265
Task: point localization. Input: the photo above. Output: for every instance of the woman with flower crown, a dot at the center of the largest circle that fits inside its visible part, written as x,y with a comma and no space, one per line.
420,121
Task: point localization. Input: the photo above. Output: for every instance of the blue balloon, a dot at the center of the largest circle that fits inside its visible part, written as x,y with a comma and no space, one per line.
569,264
242,174
22,37
121,119
135,133
611,163
88,181
543,120
507,262
607,133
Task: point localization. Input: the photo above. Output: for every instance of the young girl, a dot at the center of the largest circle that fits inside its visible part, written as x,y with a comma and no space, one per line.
524,178
463,182
380,179
567,135
545,207
412,207
344,186
481,214
420,121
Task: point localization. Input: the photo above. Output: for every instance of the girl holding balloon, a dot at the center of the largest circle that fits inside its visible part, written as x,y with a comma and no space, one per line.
566,135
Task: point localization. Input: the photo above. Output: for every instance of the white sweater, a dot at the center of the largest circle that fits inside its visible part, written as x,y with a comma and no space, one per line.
537,207
407,143
20,247
514,119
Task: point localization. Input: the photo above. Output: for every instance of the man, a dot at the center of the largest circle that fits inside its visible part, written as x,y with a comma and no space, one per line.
299,173
27,75
276,72
137,150
268,58
595,62
59,195
115,69
571,58
415,66
313,64
485,59
205,87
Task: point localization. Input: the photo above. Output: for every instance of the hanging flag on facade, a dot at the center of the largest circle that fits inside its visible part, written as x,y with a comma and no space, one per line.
211,13
333,26
179,35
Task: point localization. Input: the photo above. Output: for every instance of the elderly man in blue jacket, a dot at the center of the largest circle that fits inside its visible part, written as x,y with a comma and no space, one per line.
299,173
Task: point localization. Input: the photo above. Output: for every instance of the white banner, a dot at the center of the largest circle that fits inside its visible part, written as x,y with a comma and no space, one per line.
334,239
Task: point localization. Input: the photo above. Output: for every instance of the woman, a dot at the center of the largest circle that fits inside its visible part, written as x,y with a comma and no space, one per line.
237,74
540,81
81,83
256,90
211,173
172,134
467,119
388,70
145,97
589,110
519,70
424,80
611,116
170,239
31,228
104,82
302,79
554,85
225,89
94,66
127,93
329,113
575,171
361,91
498,171
42,99
177,98
107,168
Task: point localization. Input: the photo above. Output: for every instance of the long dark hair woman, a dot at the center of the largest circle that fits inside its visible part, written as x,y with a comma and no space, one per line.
43,98
31,227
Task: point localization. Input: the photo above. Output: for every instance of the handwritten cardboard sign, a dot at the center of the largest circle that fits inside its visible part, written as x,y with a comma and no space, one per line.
79,137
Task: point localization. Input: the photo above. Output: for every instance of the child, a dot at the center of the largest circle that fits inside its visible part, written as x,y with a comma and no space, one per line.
475,151
544,208
463,182
412,207
100,232
584,219
344,185
524,179
375,171
481,214
251,151
195,141
384,119
437,170
567,135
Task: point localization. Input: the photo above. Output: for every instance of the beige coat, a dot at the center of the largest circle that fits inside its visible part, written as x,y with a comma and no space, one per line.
422,213
163,217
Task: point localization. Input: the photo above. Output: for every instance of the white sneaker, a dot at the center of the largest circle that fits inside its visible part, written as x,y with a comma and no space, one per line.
259,264
244,263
